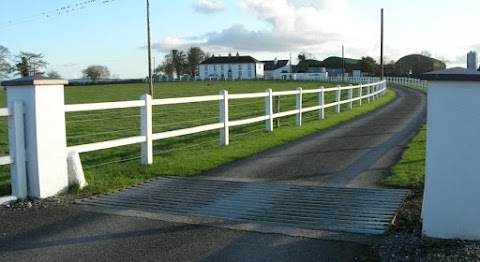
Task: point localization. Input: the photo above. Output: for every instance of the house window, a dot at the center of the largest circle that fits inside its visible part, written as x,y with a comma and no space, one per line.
222,66
240,74
249,66
249,74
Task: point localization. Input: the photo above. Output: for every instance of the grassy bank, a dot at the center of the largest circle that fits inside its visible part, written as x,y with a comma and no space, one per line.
409,172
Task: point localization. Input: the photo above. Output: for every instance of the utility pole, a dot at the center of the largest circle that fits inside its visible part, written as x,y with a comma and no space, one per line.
150,78
343,64
382,69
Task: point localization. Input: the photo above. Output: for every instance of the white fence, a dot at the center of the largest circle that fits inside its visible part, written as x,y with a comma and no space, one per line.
17,157
146,136
47,175
406,81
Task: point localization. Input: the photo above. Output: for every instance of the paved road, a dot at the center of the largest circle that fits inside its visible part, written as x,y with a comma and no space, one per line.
358,153
354,154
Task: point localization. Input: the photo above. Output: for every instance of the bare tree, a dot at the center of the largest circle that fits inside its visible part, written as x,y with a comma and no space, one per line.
95,72
5,67
54,74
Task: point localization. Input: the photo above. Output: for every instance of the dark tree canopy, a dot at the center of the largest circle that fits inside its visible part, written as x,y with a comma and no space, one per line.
179,63
30,64
368,65
95,72
195,56
304,56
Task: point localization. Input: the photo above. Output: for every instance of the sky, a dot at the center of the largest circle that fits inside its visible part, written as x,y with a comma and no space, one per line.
73,34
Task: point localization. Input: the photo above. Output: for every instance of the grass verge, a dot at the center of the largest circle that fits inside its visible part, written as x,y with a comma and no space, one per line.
409,172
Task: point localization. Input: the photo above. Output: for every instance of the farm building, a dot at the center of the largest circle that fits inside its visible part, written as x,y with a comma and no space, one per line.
231,67
415,65
310,66
334,65
273,69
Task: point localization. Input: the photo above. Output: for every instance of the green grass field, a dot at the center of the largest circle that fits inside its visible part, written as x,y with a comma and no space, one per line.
115,168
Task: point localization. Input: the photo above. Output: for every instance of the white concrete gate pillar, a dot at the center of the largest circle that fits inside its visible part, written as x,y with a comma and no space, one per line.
45,135
451,206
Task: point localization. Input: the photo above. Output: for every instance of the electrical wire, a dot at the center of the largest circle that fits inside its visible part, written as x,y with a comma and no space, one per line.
103,133
113,162
67,9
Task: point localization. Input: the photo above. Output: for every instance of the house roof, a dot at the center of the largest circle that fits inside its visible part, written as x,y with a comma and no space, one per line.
271,65
310,63
452,74
230,60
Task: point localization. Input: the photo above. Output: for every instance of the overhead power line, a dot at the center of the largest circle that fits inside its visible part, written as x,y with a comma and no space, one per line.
63,10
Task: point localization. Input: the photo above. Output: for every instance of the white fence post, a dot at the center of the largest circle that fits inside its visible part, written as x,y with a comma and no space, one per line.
350,96
45,132
321,102
269,110
16,135
337,99
368,93
146,130
225,130
298,119
360,94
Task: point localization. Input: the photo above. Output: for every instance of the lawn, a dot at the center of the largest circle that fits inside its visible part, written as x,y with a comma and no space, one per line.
111,169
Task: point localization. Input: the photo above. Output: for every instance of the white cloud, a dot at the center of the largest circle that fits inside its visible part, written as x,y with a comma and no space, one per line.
209,6
317,26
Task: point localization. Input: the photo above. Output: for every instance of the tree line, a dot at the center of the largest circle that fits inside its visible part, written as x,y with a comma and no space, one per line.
178,63
34,64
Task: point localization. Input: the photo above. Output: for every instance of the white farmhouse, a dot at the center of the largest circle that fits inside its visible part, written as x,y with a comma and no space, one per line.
231,67
276,69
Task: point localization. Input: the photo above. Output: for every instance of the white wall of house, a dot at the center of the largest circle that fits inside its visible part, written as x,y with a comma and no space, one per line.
277,73
238,71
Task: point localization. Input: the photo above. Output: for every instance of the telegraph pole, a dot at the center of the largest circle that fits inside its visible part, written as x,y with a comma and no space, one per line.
382,69
343,64
150,78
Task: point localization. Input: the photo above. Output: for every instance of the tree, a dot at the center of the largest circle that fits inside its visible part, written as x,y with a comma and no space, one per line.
194,57
426,53
390,68
165,68
304,56
179,61
54,74
95,72
368,65
30,64
5,67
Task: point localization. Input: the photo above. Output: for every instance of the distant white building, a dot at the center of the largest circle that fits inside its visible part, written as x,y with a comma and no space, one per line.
472,60
275,69
231,67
